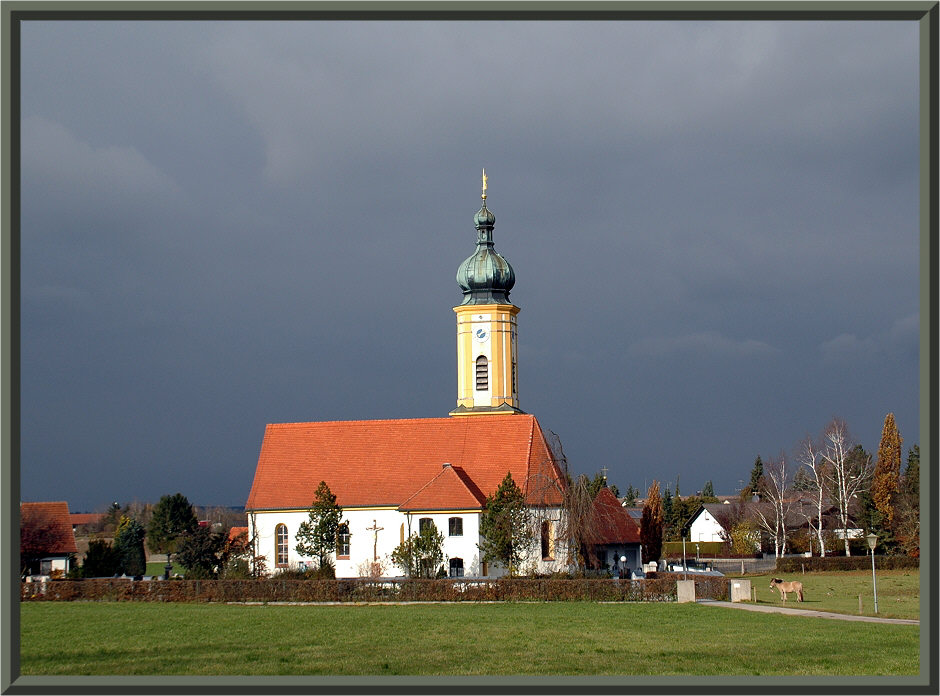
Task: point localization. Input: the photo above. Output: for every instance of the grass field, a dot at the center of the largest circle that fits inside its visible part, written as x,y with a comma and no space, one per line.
154,568
898,592
563,638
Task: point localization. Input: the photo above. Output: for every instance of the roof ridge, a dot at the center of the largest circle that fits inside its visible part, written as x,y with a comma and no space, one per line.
385,420
434,479
528,456
427,483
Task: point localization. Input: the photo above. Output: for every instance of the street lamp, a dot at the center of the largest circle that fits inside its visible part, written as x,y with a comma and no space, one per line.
872,540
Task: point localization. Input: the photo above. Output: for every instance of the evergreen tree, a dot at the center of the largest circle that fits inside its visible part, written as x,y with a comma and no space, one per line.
887,477
316,536
101,560
172,516
907,516
756,482
708,493
803,481
598,482
129,547
504,526
629,498
651,525
912,474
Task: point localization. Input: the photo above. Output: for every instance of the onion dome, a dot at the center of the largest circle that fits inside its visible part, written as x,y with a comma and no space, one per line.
485,277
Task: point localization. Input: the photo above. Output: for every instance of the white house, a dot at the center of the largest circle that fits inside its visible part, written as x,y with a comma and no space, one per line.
47,543
704,524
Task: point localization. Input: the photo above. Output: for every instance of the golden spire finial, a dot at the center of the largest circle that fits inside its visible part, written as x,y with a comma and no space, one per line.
484,184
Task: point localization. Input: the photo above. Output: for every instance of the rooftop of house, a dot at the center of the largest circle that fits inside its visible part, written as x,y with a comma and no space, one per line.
613,523
80,518
51,526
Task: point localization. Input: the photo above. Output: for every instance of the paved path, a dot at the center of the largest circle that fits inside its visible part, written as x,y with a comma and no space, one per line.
805,612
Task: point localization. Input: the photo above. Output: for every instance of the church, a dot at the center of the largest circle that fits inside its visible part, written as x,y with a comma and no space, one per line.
391,477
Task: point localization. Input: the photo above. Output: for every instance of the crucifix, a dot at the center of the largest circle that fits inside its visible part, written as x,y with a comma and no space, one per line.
375,529
604,469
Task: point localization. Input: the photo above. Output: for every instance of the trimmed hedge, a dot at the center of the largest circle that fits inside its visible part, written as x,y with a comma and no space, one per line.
710,549
795,564
706,586
661,589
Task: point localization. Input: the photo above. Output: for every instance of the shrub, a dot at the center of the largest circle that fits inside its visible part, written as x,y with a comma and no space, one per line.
795,564
101,560
129,546
283,588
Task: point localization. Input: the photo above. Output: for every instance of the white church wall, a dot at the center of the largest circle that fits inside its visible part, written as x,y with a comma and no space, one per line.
394,526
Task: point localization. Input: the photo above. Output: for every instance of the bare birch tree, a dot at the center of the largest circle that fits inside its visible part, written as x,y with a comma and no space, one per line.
847,475
774,508
810,455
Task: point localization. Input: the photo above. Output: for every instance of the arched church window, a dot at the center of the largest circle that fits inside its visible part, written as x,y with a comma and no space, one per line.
456,568
424,523
342,541
280,545
455,526
483,376
546,540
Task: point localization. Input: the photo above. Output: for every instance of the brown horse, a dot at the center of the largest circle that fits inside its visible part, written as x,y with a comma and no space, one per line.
785,587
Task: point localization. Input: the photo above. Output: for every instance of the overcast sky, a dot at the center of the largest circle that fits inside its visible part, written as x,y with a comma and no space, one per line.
713,225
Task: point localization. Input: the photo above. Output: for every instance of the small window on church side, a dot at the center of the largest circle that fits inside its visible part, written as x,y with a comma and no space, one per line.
455,526
280,541
424,523
483,377
456,567
546,540
342,541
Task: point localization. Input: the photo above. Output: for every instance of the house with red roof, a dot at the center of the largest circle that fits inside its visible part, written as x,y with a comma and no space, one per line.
393,477
47,543
614,536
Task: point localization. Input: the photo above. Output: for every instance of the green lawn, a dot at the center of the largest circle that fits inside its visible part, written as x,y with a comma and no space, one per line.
156,568
563,638
898,592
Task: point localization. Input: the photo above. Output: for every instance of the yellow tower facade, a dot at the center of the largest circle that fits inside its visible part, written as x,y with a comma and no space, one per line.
487,362
487,372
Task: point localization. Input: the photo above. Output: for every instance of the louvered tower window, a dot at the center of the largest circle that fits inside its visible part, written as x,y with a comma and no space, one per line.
483,377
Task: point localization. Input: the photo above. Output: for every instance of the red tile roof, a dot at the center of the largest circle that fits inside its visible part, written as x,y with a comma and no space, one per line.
77,518
448,490
55,518
235,532
389,462
613,524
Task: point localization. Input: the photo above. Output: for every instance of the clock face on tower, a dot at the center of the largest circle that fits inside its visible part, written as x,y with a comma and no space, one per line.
481,335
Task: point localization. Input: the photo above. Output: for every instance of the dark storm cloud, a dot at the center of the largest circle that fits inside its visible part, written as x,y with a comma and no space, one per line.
713,227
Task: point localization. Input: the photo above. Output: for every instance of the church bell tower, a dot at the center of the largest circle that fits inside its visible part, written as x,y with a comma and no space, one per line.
486,328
